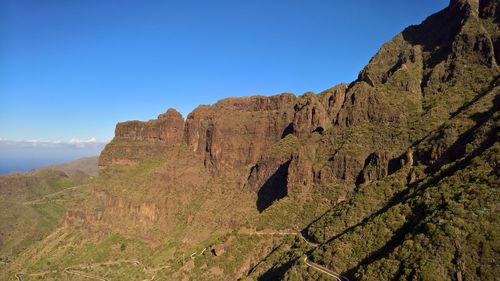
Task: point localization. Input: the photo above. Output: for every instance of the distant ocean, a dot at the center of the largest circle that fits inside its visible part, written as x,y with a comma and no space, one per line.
23,156
8,166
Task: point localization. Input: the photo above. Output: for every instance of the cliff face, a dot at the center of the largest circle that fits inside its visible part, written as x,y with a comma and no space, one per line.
228,135
167,128
352,134
135,140
234,132
349,130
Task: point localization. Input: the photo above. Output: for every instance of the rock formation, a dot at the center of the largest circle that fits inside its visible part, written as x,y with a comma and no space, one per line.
397,90
353,134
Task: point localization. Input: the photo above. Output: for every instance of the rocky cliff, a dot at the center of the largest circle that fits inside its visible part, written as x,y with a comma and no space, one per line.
355,133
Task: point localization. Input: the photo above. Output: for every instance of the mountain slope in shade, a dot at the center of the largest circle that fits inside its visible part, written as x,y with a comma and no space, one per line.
393,176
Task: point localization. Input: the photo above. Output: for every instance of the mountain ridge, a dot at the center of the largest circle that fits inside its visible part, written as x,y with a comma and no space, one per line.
374,172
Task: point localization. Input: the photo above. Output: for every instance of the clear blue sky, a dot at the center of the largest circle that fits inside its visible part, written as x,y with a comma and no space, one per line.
72,69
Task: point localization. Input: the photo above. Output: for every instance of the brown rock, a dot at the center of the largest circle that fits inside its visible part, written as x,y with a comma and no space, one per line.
234,132
401,85
333,100
168,128
136,140
300,171
363,103
310,116
218,249
376,167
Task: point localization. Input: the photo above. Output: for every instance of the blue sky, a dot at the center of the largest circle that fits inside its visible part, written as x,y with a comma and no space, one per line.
72,69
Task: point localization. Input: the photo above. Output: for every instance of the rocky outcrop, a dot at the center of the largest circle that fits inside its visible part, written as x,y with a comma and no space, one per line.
234,132
135,214
136,140
376,167
300,172
217,249
167,128
333,100
310,116
364,103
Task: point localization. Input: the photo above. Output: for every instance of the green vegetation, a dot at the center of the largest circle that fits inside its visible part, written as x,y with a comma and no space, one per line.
32,205
432,221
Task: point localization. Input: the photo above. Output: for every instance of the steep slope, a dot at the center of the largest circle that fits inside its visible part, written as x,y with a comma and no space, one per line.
384,173
436,218
427,221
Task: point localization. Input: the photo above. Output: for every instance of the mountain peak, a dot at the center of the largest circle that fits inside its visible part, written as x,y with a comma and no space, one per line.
171,114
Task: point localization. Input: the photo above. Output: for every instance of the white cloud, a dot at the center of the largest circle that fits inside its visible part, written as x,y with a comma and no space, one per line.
72,143
91,140
24,155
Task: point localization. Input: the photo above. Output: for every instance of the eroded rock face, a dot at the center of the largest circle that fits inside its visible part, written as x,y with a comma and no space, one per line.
300,172
136,140
333,100
376,167
167,128
228,135
234,132
363,103
442,60
310,116
137,213
218,249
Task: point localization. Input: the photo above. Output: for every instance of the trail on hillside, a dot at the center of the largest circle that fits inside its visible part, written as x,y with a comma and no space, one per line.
319,267
74,272
309,263
45,197
77,270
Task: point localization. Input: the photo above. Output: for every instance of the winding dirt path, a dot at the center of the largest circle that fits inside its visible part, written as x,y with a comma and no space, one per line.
194,255
73,269
319,267
267,232
68,270
309,263
45,197
77,270
325,270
